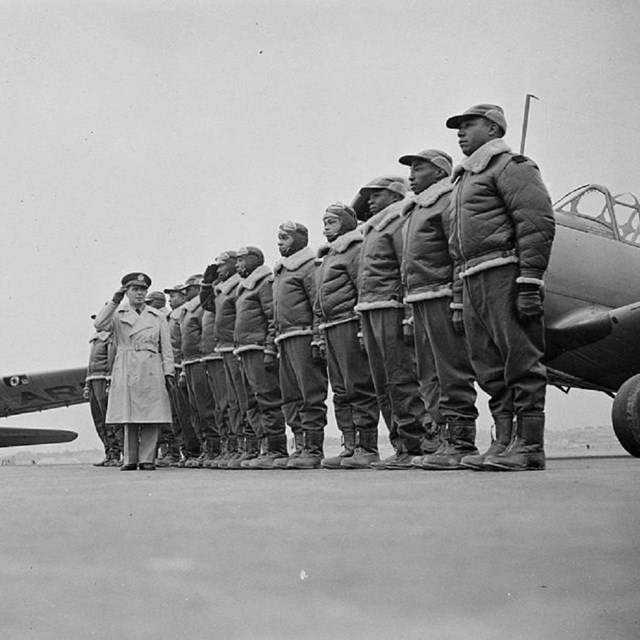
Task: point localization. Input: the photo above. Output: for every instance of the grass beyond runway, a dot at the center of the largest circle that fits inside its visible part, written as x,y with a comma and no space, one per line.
95,553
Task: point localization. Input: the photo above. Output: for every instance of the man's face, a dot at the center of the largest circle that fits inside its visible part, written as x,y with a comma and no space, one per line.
285,243
380,199
136,295
225,271
422,175
331,227
241,266
474,132
191,291
176,298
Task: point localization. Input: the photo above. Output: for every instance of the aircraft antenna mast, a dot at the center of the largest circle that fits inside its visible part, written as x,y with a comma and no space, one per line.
525,121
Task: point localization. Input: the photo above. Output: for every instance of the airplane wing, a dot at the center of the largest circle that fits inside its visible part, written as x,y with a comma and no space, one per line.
29,392
594,348
17,437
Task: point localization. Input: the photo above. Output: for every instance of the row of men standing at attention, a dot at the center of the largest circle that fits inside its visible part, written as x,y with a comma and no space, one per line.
435,290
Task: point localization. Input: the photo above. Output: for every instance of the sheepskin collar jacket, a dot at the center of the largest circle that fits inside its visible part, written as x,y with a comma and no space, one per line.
501,214
380,281
427,267
294,293
254,327
337,280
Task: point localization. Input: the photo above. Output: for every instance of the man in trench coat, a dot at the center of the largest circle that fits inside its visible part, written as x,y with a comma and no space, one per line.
142,370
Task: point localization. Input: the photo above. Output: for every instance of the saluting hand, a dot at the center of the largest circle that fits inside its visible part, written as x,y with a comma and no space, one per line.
118,296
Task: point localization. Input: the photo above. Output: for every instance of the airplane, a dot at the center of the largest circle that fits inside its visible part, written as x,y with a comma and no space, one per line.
25,393
592,301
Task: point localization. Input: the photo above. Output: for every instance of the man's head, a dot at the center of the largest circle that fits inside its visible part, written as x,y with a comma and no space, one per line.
136,284
426,168
383,191
176,296
477,126
338,219
156,299
248,259
226,262
191,286
292,237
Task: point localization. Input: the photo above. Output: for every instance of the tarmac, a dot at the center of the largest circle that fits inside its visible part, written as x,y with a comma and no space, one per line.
90,552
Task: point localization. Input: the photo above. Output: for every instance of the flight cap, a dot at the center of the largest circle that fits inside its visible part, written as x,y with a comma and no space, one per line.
176,288
243,252
436,157
156,295
395,184
491,112
344,213
192,281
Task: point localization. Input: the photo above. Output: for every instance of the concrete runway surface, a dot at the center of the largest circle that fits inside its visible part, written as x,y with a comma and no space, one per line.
96,553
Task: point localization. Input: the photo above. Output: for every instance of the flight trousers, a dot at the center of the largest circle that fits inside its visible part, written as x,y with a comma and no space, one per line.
265,387
216,378
354,396
303,385
110,434
201,402
457,396
505,354
394,374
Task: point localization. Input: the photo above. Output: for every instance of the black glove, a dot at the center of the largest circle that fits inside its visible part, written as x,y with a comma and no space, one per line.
457,321
528,303
318,354
270,362
169,383
182,382
210,274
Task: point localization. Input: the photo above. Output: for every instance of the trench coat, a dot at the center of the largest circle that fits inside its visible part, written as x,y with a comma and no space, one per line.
143,358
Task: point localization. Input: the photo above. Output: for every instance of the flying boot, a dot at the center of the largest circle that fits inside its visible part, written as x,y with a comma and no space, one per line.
250,451
348,449
275,449
526,451
298,445
503,429
230,447
411,437
212,451
434,440
461,441
312,453
366,450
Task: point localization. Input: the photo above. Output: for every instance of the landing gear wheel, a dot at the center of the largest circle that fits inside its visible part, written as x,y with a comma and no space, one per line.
625,415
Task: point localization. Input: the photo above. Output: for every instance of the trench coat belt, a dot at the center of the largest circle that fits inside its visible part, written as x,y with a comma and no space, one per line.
150,349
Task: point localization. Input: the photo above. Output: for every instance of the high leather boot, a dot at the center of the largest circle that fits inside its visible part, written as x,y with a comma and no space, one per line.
298,444
276,447
461,442
526,451
212,451
434,442
411,440
312,454
503,425
231,447
366,450
348,448
236,459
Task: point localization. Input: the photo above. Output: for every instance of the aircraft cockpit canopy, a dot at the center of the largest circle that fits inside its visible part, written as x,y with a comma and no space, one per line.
592,208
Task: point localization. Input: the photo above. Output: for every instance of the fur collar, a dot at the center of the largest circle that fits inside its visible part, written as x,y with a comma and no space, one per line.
252,280
295,261
433,193
342,243
481,157
385,217
227,286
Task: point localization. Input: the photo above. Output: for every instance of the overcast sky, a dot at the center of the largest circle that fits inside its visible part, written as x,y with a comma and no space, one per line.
153,135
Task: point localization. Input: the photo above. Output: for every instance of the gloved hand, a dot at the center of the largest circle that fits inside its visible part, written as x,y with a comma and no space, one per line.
363,349
169,383
458,323
529,303
118,296
270,362
182,381
407,334
210,274
85,392
319,354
